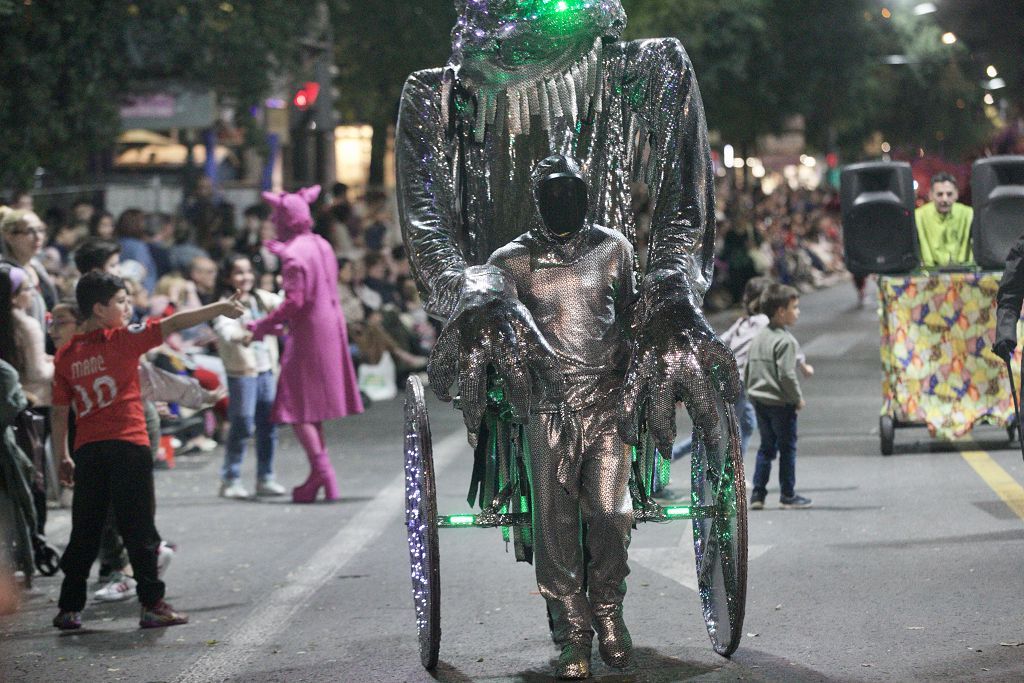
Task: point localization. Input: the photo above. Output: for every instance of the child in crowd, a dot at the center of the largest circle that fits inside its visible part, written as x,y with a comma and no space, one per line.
738,338
773,387
97,372
251,368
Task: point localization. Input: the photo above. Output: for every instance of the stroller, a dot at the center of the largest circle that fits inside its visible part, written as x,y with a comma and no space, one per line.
20,534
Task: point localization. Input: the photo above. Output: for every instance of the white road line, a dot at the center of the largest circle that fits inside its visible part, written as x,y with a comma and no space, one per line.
831,345
679,564
234,653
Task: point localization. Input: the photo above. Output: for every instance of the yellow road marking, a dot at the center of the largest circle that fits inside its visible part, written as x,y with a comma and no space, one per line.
998,479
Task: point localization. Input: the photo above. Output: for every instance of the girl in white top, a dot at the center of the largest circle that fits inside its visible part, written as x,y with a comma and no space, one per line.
251,368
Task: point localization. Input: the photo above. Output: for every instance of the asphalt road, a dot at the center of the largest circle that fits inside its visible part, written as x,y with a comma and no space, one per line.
906,568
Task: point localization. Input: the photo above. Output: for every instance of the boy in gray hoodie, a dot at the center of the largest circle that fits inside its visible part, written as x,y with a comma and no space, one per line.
774,389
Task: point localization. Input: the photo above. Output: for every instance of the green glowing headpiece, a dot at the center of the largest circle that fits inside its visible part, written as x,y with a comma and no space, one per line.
503,42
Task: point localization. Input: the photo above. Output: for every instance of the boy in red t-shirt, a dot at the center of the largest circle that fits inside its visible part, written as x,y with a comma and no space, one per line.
97,372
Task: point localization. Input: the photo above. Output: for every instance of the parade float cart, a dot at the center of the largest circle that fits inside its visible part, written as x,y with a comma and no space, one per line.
717,511
938,369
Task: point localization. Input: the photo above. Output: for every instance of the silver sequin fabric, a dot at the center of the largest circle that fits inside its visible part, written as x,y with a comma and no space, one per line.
460,199
466,144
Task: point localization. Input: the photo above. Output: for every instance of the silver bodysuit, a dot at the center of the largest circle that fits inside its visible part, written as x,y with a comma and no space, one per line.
580,294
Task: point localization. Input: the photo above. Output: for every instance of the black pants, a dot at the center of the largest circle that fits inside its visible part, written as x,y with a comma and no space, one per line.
118,475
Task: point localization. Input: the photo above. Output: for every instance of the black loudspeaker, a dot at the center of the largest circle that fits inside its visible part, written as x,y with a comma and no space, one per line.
879,231
997,190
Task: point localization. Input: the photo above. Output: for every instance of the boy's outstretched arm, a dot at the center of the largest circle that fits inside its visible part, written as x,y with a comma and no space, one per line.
231,308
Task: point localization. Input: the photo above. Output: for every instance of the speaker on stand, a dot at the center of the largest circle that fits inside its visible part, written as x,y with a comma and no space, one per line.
879,232
997,190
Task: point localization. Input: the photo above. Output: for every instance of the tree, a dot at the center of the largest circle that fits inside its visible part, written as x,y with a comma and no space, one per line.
931,101
64,67
375,55
994,32
731,50
759,61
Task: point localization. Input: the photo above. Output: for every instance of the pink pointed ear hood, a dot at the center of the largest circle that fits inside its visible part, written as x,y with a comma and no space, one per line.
291,213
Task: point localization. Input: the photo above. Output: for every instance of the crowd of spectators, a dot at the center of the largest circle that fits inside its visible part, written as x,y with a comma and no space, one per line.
176,262
791,235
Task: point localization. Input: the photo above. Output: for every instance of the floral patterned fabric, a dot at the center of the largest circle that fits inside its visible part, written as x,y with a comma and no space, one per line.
937,365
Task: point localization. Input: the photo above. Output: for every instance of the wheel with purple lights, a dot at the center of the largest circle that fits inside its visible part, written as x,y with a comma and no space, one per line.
421,523
720,535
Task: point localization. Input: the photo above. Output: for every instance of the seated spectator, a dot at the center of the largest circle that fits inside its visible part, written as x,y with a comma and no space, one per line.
209,214
67,238
82,211
102,225
159,239
173,293
203,272
184,250
374,343
377,281
131,234
401,269
348,295
98,254
249,239
944,226
378,221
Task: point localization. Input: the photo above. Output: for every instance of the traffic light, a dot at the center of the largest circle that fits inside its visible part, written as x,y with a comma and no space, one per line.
306,96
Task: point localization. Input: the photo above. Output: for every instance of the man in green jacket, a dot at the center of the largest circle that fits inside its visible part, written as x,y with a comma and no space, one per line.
944,225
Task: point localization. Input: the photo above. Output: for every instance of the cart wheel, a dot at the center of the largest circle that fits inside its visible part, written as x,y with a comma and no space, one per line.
720,537
886,433
421,522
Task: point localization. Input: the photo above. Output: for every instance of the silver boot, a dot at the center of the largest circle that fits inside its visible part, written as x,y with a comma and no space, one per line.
614,641
574,662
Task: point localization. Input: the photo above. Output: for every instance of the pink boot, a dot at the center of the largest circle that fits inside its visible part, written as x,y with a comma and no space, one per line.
321,474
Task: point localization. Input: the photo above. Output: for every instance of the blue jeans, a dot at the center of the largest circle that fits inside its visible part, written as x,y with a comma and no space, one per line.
249,402
777,425
744,413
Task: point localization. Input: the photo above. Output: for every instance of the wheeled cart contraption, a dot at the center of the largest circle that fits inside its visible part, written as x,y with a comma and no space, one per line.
717,510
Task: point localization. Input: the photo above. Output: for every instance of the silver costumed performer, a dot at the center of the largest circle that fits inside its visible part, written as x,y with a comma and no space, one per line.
576,279
528,79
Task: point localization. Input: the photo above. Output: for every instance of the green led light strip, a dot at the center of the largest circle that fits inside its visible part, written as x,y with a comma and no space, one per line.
468,521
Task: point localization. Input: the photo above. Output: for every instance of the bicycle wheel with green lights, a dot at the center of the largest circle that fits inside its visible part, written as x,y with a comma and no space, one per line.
421,523
720,534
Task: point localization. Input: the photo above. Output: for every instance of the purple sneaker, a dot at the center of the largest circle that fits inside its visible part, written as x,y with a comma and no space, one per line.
161,614
68,621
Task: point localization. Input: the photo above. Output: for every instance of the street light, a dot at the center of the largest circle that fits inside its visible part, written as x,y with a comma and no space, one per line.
989,99
991,71
728,155
948,37
925,8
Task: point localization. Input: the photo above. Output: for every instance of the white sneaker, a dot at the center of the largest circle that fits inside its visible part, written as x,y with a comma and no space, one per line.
164,555
269,487
233,489
121,588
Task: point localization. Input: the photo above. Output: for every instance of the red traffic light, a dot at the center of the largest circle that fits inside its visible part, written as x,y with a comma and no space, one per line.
306,96
832,159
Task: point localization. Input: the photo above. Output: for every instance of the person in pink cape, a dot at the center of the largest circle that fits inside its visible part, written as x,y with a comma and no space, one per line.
317,380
